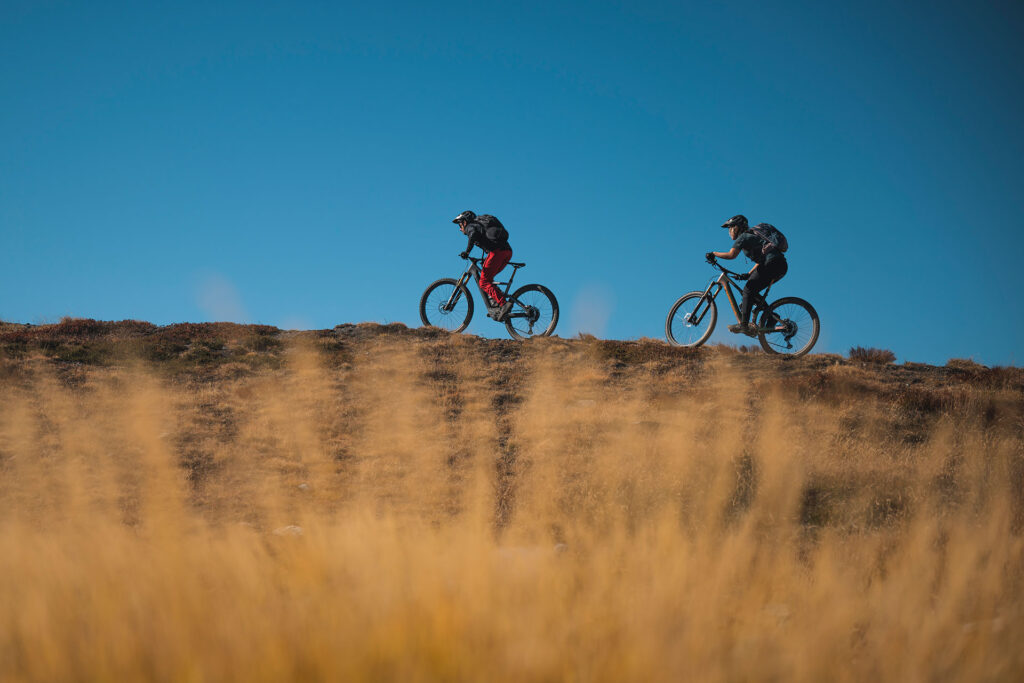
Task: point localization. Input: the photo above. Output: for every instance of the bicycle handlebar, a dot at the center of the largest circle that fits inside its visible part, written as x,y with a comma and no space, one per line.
715,264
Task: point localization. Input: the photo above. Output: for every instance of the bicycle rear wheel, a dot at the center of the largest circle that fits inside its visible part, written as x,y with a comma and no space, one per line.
534,312
447,305
691,320
789,326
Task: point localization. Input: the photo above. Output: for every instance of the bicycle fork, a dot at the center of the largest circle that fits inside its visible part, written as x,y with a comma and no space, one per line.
704,305
456,294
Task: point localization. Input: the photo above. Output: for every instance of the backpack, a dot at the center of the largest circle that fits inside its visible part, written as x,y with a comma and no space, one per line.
772,237
493,229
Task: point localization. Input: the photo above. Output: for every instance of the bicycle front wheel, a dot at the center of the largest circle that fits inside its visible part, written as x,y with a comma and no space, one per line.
691,320
534,312
447,305
789,326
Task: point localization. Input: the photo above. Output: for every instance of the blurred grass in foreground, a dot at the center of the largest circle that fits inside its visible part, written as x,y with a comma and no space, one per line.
419,509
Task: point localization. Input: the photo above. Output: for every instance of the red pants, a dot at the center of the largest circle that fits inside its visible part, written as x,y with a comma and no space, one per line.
495,261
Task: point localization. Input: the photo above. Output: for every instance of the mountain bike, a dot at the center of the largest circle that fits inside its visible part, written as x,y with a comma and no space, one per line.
447,304
787,326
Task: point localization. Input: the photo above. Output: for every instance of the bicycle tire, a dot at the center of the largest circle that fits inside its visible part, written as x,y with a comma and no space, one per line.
545,307
795,314
434,298
678,336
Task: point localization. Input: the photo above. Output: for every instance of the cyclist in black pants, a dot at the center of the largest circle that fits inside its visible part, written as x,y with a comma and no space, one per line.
768,268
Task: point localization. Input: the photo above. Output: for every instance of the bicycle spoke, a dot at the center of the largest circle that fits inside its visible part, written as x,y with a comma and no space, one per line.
792,328
446,306
534,312
691,320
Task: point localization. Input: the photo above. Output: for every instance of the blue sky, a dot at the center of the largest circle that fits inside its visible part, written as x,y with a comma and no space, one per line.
297,164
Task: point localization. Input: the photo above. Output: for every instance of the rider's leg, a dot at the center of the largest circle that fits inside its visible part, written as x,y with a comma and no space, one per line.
492,265
764,275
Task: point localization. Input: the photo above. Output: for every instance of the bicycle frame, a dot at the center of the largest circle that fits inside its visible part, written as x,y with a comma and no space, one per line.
726,283
473,272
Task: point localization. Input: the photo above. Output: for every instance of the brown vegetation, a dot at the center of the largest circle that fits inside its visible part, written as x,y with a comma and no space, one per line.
226,502
868,355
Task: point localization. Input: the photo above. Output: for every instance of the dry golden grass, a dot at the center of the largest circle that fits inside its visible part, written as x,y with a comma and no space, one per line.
379,504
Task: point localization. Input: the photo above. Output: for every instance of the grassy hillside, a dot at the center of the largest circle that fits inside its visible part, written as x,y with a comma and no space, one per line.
228,502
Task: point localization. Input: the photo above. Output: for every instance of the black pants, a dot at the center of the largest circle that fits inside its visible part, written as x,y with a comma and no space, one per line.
765,274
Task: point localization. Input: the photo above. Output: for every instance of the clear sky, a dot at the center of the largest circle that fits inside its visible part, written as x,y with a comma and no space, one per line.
298,164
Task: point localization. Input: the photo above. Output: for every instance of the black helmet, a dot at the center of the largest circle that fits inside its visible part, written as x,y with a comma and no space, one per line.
736,221
467,216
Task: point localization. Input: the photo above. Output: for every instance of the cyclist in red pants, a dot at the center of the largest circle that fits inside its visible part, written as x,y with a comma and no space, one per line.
487,232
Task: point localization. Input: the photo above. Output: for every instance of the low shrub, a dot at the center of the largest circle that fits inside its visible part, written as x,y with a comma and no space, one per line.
877,356
964,364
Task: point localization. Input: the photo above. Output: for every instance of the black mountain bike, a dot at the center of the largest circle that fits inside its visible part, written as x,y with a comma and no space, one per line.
787,326
447,304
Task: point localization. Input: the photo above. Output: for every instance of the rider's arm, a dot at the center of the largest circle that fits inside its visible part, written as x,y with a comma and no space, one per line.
727,255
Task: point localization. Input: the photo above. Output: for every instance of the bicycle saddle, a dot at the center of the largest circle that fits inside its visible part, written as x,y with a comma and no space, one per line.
516,265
